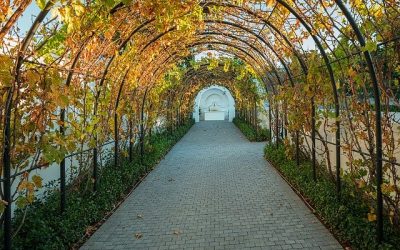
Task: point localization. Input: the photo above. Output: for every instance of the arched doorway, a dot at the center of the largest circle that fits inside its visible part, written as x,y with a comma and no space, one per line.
214,103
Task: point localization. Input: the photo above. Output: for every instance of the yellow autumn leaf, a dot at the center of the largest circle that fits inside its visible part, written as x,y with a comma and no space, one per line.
387,188
371,217
351,72
22,185
41,4
6,65
37,180
270,3
226,66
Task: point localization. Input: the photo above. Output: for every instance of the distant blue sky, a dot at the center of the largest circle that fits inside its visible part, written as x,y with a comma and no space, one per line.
25,22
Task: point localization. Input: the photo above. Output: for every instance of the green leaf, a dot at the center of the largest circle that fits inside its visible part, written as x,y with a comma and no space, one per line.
37,180
41,4
64,99
370,46
3,204
21,202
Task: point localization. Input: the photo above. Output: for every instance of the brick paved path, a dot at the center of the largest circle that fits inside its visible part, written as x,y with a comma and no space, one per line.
213,190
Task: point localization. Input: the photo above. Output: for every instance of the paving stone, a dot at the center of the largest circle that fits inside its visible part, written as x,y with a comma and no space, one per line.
213,190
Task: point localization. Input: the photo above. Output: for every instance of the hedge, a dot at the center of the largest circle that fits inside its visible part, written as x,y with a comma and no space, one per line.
347,218
261,134
46,228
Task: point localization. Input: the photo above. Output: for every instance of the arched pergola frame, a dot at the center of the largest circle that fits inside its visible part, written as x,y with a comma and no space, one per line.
360,37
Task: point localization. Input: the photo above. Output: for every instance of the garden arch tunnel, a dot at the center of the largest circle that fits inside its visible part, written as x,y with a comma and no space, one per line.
130,57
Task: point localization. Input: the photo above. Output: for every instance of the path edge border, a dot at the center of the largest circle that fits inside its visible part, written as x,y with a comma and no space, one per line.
334,233
77,245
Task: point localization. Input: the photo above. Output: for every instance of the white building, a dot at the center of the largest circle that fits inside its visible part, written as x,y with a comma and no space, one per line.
214,103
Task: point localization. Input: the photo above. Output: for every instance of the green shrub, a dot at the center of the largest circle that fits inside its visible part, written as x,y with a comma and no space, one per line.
45,227
262,134
348,217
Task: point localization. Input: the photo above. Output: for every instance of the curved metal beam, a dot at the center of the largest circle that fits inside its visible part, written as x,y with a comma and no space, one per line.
334,91
236,47
288,72
271,25
258,73
7,123
250,45
378,117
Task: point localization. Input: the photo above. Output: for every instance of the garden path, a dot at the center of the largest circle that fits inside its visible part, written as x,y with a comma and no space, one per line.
213,190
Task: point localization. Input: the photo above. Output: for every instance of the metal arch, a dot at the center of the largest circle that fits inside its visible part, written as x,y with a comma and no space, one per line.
148,88
187,72
225,44
268,45
328,66
245,52
248,44
378,101
335,95
289,75
123,45
120,48
243,59
271,25
203,75
105,72
62,126
259,38
228,52
226,86
116,138
7,124
234,46
327,62
265,21
273,69
378,117
258,63
62,115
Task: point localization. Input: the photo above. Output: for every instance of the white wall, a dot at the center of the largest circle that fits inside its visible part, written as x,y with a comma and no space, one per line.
214,98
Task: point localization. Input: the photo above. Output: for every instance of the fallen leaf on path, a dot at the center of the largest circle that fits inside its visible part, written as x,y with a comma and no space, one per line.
138,236
90,230
177,232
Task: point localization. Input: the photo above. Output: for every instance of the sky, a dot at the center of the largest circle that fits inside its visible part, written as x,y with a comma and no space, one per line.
25,22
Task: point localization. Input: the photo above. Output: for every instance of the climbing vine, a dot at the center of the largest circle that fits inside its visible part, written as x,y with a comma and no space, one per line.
89,72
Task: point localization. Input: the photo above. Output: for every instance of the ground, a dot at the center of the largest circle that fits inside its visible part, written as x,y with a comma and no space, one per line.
213,190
